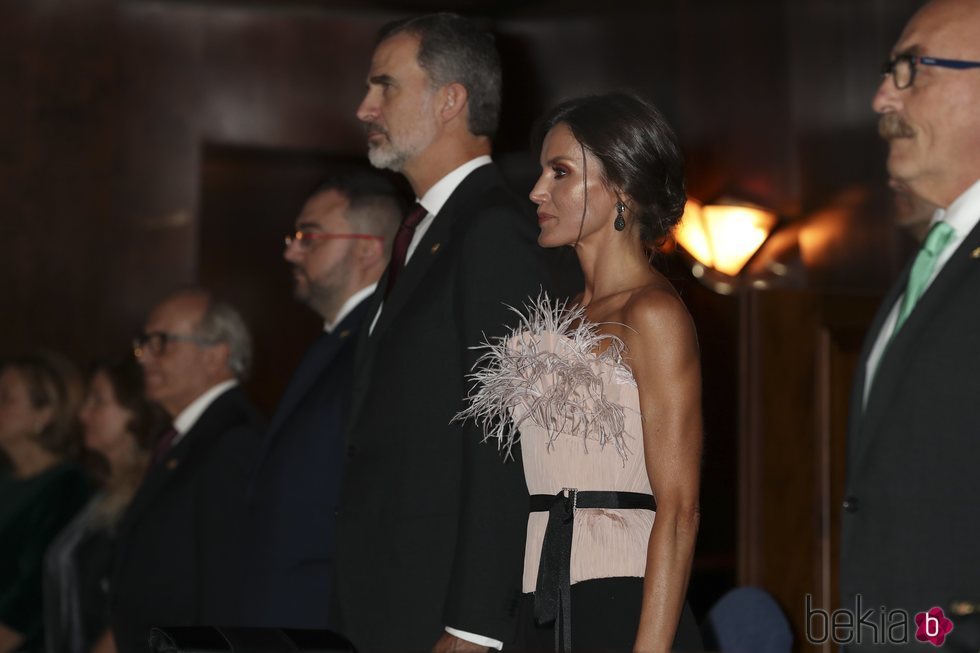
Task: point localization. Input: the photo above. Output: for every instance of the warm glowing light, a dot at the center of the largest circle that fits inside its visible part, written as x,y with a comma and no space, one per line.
723,237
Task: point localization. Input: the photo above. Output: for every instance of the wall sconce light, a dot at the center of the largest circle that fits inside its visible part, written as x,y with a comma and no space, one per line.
723,237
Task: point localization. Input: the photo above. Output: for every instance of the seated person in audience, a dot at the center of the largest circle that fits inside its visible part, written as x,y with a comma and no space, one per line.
177,554
40,491
118,423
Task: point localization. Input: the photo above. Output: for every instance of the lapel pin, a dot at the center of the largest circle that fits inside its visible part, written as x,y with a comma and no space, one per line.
343,334
172,464
435,248
975,253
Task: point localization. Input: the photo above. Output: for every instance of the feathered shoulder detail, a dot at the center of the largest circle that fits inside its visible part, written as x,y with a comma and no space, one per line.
547,371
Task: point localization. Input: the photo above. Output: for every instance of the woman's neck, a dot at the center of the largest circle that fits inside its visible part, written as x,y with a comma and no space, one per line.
613,266
29,458
125,465
125,476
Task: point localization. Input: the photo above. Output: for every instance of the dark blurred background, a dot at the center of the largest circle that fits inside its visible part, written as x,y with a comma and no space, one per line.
151,144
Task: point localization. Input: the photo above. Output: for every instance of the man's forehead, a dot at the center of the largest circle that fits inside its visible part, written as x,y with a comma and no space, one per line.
183,311
943,28
395,53
324,207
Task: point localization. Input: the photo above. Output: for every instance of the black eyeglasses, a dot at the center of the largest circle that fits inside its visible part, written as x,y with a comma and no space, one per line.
155,342
902,68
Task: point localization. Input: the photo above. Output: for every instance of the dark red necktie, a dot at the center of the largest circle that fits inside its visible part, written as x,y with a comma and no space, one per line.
402,239
163,444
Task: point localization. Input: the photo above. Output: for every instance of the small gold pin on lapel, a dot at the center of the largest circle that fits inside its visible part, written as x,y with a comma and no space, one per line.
172,464
435,248
343,334
975,253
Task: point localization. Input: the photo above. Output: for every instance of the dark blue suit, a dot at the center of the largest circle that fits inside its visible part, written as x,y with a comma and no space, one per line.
295,486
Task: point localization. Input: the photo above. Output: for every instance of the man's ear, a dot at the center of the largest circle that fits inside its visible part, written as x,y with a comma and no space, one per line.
369,252
217,356
453,97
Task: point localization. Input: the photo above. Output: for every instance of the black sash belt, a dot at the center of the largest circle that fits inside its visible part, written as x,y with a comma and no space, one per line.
552,596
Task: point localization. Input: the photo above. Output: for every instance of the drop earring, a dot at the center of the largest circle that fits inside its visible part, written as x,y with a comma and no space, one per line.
620,222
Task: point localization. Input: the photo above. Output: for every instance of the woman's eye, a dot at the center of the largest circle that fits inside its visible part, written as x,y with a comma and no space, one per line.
559,172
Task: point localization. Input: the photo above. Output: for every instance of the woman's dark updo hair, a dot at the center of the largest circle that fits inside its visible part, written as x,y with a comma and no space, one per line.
638,151
126,378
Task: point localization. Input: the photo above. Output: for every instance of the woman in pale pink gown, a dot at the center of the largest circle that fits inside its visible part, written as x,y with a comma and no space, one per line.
604,394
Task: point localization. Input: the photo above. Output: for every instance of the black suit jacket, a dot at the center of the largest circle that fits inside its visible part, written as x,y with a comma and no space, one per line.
911,522
432,521
178,541
296,486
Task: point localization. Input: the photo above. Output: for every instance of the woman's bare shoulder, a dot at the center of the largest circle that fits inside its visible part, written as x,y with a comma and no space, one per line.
655,308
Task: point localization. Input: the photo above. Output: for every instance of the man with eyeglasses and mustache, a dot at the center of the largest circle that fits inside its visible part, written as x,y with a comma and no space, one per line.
910,517
177,562
337,253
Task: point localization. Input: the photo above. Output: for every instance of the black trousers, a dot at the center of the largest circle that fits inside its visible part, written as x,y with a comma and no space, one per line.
605,616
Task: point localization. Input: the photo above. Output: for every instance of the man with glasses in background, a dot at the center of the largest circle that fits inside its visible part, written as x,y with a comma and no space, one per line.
910,517
177,558
338,251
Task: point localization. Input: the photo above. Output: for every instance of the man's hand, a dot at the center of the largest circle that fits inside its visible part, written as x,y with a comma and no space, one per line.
451,644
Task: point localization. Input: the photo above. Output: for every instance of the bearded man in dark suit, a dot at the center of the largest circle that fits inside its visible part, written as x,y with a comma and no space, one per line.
432,521
337,252
910,520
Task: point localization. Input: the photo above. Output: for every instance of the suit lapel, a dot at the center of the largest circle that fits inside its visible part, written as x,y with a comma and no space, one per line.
857,413
364,351
429,248
891,372
315,363
314,360
212,423
435,242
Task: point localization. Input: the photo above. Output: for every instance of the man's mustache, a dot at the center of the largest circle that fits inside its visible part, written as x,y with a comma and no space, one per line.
891,125
374,128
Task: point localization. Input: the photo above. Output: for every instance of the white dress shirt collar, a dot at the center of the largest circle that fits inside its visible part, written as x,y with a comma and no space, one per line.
349,306
432,202
188,417
963,214
436,197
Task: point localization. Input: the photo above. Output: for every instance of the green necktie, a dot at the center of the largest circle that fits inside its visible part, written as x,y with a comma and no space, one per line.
925,262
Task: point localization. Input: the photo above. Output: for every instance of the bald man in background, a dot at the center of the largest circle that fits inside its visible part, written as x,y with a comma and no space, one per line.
178,554
911,516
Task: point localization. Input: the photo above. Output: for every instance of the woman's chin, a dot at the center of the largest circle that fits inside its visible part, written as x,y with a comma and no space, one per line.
545,241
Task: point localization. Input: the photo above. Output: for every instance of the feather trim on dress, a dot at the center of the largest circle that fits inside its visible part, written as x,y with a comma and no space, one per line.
548,367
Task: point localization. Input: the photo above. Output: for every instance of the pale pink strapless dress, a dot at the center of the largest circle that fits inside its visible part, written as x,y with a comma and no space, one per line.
580,427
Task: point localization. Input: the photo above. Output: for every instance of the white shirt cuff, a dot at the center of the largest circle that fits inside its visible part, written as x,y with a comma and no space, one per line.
476,639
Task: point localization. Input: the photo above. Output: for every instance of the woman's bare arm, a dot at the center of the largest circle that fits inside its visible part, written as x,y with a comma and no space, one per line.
663,355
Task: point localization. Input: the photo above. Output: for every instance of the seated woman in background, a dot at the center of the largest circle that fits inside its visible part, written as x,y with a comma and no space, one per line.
118,424
40,491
